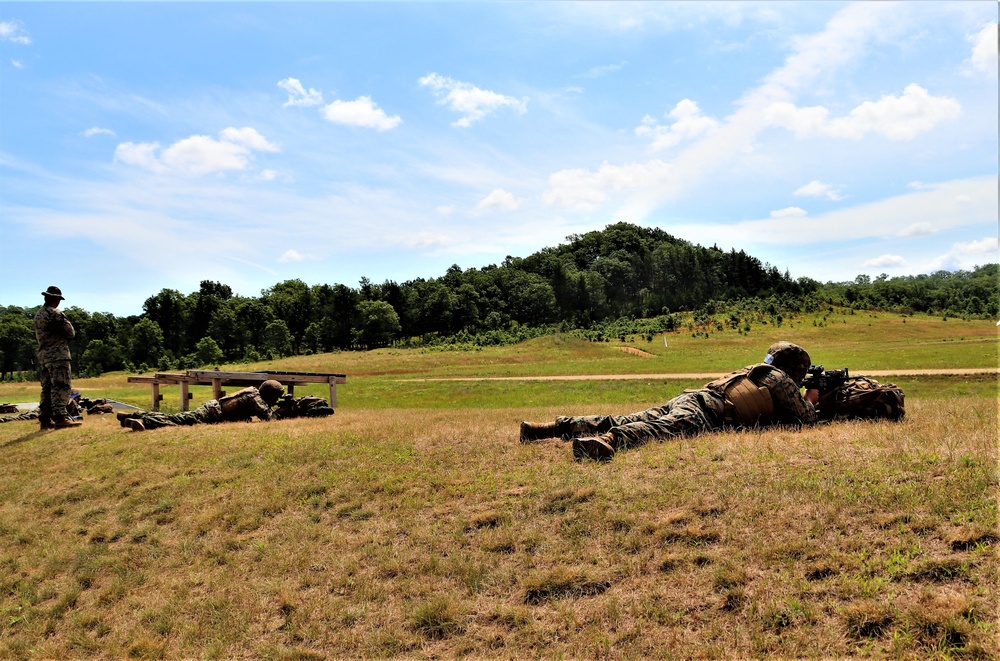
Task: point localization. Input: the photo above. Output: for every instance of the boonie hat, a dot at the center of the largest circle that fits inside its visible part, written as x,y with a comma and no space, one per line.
54,292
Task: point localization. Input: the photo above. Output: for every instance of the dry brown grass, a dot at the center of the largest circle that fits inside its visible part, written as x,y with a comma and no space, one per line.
429,533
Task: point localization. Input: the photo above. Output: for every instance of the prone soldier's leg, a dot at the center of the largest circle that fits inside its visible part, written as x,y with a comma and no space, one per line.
593,425
685,415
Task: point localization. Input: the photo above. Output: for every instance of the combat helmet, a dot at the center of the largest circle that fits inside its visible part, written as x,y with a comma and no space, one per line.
271,391
790,358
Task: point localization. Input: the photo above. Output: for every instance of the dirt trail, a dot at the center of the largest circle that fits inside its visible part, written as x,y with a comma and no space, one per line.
700,375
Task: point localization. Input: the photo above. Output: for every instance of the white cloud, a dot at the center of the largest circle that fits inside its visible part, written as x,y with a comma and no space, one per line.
841,42
583,190
598,72
361,112
688,123
298,95
473,102
984,49
17,64
14,32
816,188
268,175
498,199
886,260
966,255
96,130
789,212
291,256
197,155
424,239
916,229
895,117
445,210
247,137
936,208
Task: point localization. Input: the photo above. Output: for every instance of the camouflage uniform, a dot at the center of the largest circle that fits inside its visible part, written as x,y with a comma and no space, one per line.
53,331
26,415
239,406
691,413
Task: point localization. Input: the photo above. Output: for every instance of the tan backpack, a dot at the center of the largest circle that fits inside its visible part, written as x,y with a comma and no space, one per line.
863,398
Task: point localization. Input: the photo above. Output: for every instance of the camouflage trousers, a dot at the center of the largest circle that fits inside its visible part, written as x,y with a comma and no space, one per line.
27,415
685,415
208,413
56,388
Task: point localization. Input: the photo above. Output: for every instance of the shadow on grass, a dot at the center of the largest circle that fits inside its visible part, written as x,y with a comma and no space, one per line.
38,433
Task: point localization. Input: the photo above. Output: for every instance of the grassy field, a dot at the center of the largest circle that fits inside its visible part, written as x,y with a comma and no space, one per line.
413,524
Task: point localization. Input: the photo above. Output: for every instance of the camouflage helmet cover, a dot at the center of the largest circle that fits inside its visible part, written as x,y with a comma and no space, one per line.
271,391
789,358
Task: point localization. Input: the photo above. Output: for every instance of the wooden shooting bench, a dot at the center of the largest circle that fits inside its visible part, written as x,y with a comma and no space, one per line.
217,379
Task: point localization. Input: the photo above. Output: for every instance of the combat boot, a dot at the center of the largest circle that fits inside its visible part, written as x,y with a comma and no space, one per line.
536,431
598,448
46,423
135,424
64,421
124,417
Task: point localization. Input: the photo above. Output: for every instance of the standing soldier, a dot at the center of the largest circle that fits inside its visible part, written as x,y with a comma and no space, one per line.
53,331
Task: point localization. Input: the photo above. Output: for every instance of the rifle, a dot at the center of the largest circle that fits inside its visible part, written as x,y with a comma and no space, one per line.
825,381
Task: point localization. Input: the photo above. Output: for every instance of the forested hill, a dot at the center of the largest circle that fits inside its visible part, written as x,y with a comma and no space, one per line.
621,272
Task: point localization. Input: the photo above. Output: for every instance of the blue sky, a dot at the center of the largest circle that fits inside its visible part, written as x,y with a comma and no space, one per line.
146,146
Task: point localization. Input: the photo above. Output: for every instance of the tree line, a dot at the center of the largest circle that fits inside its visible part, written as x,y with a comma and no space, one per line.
589,284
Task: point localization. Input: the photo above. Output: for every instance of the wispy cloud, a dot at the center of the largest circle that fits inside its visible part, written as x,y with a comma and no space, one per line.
984,49
937,208
816,188
789,212
299,95
968,254
601,71
14,32
916,229
96,130
841,42
197,155
291,256
688,123
886,260
473,102
362,112
498,200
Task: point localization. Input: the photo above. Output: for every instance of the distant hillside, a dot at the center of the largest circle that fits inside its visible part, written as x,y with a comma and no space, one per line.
597,279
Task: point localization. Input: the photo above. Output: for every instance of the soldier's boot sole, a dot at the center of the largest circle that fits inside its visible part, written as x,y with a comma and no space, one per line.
592,448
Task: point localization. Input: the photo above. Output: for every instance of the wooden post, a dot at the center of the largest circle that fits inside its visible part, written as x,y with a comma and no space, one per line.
155,395
184,395
333,392
217,388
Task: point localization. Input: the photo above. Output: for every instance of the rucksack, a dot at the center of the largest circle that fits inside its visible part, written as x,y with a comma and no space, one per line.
308,407
863,398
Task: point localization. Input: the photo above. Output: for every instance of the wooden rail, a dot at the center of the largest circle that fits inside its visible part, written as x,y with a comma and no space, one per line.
217,379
